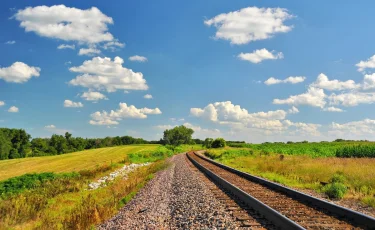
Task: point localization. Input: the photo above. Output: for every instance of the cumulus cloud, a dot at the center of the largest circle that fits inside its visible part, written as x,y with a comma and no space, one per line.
66,46
2,103
19,72
10,42
112,45
50,127
292,80
124,111
369,81
147,96
250,24
351,98
333,109
323,82
93,96
88,26
72,104
54,129
313,97
271,122
13,109
258,56
88,51
364,128
105,74
138,58
368,64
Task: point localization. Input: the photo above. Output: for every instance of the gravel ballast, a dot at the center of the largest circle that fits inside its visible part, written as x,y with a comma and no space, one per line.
176,198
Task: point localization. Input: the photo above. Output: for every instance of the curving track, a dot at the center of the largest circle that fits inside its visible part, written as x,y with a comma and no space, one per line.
285,207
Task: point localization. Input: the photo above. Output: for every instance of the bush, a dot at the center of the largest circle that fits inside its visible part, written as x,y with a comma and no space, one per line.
218,143
336,188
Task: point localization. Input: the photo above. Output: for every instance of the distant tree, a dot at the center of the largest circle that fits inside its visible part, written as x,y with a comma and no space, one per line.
59,143
208,142
5,146
218,143
177,136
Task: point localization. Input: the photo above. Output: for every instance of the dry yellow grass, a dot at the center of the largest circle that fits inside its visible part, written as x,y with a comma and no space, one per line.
87,159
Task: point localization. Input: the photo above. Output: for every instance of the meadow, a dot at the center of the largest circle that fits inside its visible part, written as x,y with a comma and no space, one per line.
51,192
307,166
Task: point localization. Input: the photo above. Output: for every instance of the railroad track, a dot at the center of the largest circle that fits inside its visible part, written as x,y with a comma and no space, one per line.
284,207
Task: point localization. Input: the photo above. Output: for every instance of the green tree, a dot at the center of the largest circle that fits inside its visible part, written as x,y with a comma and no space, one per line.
177,136
208,142
218,143
5,146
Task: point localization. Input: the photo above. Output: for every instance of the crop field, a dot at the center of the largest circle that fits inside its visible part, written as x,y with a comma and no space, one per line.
304,170
316,149
77,161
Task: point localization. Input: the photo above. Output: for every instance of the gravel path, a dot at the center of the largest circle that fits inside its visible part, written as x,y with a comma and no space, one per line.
175,199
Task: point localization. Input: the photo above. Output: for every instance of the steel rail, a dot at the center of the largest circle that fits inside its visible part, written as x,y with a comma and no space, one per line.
360,219
271,214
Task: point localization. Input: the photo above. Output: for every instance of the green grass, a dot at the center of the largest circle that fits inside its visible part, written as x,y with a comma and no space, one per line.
316,149
71,162
304,171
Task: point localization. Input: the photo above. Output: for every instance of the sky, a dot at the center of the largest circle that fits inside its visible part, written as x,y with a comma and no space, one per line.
253,71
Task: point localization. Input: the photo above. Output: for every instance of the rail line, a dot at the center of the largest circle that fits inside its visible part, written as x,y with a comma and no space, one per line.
284,207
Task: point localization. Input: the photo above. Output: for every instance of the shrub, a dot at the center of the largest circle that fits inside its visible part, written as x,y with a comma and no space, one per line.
335,190
218,143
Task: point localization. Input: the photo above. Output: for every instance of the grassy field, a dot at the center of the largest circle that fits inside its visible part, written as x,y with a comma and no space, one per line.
304,170
77,161
59,199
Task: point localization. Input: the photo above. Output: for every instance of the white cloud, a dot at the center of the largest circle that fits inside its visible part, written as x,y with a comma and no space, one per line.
10,42
333,109
293,110
93,96
147,96
164,127
368,64
369,81
292,80
269,123
72,104
125,111
138,58
176,119
66,23
2,103
13,109
66,46
50,127
258,56
250,24
323,82
351,99
88,51
112,45
104,74
313,97
357,129
19,72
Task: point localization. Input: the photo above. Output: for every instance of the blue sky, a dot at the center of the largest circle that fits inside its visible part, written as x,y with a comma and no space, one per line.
242,70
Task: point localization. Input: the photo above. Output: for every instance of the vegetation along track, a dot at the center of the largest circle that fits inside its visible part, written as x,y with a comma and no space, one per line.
286,208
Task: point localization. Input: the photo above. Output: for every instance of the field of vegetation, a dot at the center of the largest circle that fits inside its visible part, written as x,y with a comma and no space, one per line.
308,166
50,192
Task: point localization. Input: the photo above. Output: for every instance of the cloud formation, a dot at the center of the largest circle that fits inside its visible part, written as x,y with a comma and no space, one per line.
114,116
368,64
93,96
250,24
147,96
258,56
292,80
88,51
138,58
313,97
66,46
72,104
19,72
105,74
13,109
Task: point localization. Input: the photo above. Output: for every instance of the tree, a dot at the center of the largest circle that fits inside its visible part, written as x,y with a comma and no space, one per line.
177,136
218,143
5,146
208,142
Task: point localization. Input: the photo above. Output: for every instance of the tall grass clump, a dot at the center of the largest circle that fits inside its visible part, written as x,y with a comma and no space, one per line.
336,188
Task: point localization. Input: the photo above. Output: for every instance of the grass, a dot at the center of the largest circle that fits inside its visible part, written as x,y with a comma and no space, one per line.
62,201
77,161
304,171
